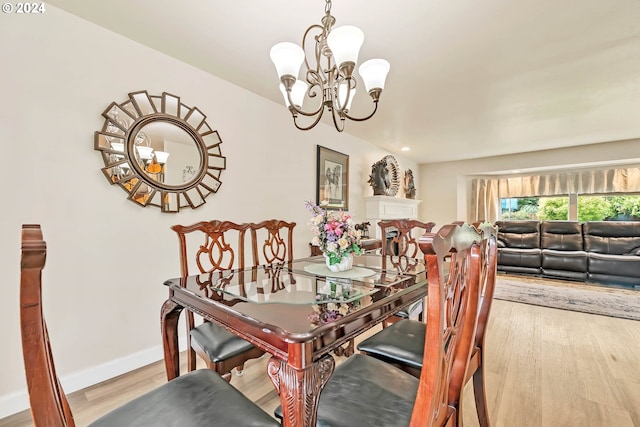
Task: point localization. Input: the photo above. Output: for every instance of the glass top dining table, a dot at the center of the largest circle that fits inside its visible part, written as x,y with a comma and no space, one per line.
299,312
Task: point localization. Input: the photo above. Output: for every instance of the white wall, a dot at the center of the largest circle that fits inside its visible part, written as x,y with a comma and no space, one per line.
107,257
444,187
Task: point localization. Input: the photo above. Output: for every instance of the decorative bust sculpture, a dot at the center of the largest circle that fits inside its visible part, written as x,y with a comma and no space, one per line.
384,178
379,178
409,186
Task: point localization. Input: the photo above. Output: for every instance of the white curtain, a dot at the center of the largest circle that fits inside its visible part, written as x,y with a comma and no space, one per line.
485,203
487,192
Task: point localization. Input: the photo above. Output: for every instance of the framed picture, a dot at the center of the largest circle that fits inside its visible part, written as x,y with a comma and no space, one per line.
332,183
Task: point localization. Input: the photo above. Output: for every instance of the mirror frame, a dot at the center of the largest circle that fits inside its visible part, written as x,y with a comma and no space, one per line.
122,124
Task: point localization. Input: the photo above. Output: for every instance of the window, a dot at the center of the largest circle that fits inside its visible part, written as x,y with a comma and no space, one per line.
587,207
621,207
523,208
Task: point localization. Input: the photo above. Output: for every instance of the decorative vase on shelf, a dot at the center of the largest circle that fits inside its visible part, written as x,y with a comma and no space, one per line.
346,263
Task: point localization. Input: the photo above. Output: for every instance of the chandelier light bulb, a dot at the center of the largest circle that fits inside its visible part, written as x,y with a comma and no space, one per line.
345,43
287,57
145,153
374,73
161,157
297,93
342,94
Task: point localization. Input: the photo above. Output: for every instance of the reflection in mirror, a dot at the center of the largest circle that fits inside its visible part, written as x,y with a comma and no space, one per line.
160,151
164,150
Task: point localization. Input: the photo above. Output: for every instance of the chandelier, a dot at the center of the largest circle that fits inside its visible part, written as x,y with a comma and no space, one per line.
336,48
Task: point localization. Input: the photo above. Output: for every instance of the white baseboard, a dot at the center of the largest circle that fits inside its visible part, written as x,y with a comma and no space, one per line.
19,401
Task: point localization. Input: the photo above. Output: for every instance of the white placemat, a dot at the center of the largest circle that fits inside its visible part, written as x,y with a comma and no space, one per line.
354,273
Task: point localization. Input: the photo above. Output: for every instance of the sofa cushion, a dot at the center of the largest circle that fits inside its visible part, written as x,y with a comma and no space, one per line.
617,265
519,234
564,260
611,237
519,257
561,235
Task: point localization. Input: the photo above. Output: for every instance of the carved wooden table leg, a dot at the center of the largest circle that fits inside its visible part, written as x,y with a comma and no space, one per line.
299,389
169,315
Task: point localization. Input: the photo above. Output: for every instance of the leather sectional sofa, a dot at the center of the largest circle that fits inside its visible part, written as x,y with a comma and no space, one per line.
598,251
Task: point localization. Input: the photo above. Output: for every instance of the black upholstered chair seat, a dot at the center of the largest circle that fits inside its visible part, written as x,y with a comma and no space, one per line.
402,342
364,391
199,398
218,343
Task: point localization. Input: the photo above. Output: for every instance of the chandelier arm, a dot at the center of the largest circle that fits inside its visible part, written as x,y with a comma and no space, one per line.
315,122
304,113
335,122
362,119
337,84
304,42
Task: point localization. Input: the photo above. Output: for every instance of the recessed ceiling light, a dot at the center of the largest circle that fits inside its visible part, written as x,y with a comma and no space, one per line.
405,149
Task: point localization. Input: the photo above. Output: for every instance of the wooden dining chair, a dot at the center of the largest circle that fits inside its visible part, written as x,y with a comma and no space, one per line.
365,391
403,240
208,246
199,398
272,241
402,344
401,249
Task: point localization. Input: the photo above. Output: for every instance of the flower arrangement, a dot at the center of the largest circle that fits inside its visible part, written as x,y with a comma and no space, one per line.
337,303
330,312
334,233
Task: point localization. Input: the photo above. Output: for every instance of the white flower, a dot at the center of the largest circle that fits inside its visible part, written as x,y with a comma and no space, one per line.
332,247
332,306
344,309
343,243
315,241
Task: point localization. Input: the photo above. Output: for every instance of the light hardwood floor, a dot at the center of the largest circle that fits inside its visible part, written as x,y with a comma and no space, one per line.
545,367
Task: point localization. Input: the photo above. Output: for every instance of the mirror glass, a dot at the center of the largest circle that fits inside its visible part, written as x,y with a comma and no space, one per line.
167,153
160,151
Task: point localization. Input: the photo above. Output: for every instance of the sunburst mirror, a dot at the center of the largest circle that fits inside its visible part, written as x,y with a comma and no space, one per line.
160,151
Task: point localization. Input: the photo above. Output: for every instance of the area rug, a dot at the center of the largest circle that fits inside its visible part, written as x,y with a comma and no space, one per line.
575,296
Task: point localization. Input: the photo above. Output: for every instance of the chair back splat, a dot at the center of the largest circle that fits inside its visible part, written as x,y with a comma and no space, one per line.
210,246
403,241
452,305
269,245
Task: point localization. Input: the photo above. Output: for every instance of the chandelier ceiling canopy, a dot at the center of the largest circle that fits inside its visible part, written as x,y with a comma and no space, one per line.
331,75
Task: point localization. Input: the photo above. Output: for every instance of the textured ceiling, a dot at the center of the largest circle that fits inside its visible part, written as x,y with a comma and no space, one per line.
468,79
